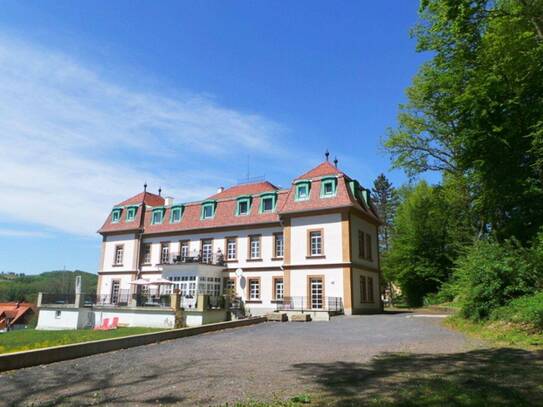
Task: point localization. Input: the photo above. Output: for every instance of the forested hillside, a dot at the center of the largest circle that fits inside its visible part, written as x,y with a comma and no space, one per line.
27,287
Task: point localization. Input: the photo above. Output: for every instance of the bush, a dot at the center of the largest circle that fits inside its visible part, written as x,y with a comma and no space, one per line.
490,275
527,310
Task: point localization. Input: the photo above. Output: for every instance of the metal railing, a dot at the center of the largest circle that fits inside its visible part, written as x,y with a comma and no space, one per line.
58,298
195,257
302,303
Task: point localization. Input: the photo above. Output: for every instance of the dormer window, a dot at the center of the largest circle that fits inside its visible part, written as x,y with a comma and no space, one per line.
176,213
328,187
131,213
158,216
208,210
116,215
302,190
268,202
243,206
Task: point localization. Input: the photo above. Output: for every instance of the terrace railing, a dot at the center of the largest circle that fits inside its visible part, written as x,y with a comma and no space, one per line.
216,259
58,298
303,303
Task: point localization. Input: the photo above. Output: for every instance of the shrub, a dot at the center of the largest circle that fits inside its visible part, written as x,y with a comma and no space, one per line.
490,275
527,310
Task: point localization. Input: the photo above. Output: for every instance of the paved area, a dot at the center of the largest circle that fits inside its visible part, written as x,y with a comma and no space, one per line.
258,362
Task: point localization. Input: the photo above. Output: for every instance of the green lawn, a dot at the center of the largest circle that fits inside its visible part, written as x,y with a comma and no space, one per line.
26,339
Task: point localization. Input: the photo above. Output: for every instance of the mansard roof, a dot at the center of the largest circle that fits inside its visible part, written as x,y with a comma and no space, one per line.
144,197
245,189
321,170
348,195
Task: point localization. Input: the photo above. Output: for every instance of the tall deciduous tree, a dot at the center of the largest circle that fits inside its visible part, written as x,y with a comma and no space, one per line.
475,110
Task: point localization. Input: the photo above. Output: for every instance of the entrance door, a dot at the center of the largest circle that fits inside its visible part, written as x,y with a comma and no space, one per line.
115,288
316,291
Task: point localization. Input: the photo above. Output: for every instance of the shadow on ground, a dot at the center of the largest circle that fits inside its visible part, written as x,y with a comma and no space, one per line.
487,377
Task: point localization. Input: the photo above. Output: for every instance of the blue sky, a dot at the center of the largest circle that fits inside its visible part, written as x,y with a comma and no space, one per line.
98,97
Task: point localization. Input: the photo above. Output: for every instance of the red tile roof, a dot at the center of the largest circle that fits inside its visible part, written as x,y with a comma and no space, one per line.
144,197
325,168
245,189
13,312
225,214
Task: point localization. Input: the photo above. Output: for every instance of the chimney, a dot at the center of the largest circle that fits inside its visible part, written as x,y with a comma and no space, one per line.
159,191
168,201
220,189
335,161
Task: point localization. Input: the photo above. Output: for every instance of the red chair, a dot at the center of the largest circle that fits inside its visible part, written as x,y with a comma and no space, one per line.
104,326
114,323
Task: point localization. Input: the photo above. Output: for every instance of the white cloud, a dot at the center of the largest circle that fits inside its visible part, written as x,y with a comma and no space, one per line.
22,233
73,143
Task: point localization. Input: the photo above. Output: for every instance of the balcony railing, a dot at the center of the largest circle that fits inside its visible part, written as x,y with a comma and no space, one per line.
301,303
216,259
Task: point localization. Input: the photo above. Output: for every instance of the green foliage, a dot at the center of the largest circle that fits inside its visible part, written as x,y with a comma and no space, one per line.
527,311
27,287
475,109
426,239
491,274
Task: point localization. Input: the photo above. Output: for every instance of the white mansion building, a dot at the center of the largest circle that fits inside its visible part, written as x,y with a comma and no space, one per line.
313,245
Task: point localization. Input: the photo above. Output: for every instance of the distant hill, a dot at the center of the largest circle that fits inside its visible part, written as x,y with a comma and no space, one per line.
25,287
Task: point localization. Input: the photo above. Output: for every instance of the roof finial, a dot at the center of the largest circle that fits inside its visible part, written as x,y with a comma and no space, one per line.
327,154
145,187
159,191
335,161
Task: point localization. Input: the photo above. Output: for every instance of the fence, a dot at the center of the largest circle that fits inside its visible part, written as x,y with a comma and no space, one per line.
316,303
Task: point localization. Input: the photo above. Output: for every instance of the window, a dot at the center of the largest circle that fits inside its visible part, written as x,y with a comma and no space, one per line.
176,212
315,243
243,206
278,288
363,295
207,251
278,245
254,289
267,202
370,289
231,248
158,215
316,293
254,247
119,252
146,258
58,313
184,252
361,245
116,215
131,213
328,187
302,191
164,252
208,210
230,286
368,247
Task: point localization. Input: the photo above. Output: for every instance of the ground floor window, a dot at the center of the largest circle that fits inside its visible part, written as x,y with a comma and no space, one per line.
254,289
278,288
366,289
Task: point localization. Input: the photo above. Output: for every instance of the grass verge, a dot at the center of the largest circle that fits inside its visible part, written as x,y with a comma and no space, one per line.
498,333
27,339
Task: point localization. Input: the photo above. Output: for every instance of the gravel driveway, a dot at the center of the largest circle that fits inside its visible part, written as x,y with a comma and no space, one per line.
262,362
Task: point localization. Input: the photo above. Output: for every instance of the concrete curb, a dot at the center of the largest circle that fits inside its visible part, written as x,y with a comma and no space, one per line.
18,360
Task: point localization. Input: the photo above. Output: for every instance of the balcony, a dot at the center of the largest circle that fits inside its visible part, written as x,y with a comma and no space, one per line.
212,259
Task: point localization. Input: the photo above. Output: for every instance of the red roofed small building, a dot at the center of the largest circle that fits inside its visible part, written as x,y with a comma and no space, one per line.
15,315
312,245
